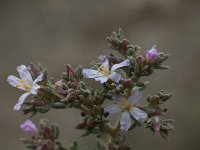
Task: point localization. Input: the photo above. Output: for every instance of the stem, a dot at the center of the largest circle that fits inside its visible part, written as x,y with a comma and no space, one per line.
115,128
117,124
109,129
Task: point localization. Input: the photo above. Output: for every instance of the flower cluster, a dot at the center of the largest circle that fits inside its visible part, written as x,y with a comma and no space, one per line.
122,88
43,138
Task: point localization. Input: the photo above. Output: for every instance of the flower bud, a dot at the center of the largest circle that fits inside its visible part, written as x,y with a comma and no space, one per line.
126,82
152,54
156,126
29,127
69,70
141,61
91,123
34,69
37,102
72,96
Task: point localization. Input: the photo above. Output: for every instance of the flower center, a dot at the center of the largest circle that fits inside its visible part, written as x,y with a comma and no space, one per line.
26,87
103,70
124,104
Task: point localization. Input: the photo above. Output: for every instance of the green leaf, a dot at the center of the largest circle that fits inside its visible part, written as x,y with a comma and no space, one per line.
31,147
85,134
164,135
58,105
55,130
74,146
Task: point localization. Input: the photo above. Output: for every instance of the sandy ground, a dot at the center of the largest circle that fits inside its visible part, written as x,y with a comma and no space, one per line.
56,32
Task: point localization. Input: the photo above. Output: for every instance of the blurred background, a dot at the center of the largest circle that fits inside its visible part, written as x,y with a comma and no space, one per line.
57,32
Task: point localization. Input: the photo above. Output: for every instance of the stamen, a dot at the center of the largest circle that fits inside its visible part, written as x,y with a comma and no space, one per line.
103,70
124,104
26,87
17,85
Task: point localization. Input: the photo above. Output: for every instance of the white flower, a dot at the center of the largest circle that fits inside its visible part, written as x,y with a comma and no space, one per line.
128,108
103,73
26,83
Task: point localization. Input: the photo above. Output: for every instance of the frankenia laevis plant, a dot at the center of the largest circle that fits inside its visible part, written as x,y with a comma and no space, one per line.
122,87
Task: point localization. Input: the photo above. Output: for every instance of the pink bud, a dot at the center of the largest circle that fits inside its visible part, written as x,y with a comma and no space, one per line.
29,127
152,54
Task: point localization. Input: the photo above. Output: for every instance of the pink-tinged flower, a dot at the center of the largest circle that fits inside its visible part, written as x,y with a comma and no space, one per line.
29,127
103,73
152,54
26,83
128,108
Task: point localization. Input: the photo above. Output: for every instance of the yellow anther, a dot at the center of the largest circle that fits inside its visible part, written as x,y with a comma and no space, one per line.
22,81
17,85
103,70
129,106
121,103
124,104
26,87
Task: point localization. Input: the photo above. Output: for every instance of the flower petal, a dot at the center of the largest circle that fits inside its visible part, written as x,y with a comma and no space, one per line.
21,100
102,58
134,98
138,114
102,79
117,97
25,74
105,64
35,86
89,73
14,81
125,121
116,77
112,108
39,78
122,64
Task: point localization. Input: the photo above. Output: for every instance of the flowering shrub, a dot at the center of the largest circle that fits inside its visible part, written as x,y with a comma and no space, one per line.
121,82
